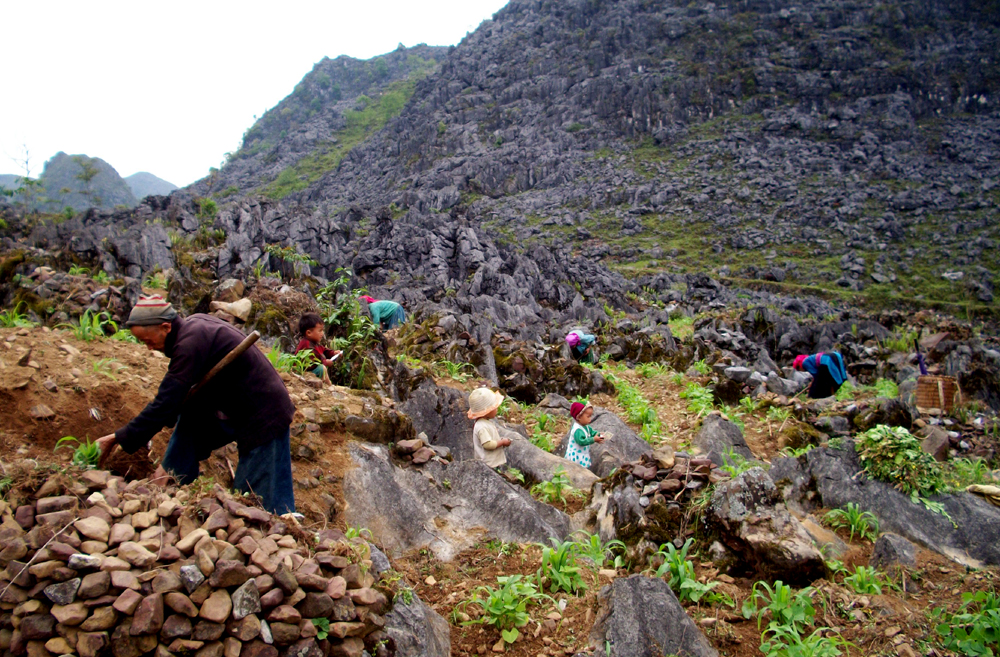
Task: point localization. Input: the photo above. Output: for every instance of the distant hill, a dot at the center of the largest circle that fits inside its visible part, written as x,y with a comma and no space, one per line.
144,184
9,181
66,183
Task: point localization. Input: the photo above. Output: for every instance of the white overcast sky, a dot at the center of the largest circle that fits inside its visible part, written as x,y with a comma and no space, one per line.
169,87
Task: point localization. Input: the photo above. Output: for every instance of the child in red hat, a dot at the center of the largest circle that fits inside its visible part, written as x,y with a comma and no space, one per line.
582,435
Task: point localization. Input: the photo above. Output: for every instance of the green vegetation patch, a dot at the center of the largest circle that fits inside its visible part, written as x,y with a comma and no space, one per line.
360,124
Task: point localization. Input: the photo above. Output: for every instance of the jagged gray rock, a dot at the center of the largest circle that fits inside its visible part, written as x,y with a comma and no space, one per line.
641,617
443,507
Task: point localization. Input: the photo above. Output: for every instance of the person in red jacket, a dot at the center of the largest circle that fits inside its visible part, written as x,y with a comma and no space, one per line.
246,402
313,330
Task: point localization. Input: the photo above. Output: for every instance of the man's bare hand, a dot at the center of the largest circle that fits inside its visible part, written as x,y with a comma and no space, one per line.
107,444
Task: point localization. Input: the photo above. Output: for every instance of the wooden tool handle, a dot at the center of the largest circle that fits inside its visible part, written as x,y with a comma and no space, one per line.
226,360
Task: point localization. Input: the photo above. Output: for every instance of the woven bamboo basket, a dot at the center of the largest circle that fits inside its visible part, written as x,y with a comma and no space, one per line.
938,392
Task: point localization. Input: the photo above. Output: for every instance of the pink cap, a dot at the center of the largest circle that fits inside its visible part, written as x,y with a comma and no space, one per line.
798,361
572,339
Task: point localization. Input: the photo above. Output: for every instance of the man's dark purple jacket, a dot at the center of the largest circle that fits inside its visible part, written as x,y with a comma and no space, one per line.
248,391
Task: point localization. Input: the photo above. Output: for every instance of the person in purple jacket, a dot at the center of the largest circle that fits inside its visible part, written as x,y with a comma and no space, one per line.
245,402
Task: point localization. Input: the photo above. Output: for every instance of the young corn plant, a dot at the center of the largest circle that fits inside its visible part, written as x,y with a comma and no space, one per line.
783,641
886,388
505,607
92,326
700,399
786,608
559,569
87,454
702,367
299,363
14,318
682,577
542,440
556,489
735,463
862,523
748,405
864,581
600,554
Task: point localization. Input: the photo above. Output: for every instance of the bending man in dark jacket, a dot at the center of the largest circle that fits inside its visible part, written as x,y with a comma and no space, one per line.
246,402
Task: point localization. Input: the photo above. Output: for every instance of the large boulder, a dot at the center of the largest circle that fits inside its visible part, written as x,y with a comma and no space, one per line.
416,630
621,444
439,412
750,518
444,507
538,465
969,534
641,617
717,436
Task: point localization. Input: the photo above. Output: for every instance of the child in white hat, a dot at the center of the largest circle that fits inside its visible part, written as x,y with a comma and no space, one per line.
486,440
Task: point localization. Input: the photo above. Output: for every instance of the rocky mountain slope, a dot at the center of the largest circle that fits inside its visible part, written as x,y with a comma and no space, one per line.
143,184
837,144
336,106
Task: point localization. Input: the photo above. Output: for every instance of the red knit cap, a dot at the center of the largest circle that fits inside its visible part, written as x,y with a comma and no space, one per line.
575,409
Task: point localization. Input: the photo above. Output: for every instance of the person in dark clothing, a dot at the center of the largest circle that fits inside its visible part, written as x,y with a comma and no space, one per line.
827,369
312,329
245,402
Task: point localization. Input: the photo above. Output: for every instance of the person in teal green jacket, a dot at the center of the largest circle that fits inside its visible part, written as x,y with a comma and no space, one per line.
387,314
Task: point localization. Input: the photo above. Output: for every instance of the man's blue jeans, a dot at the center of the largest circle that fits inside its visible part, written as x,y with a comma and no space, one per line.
265,471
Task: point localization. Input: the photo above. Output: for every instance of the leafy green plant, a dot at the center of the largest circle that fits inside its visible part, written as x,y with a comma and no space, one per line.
86,454
682,577
846,392
734,415
542,420
322,627
748,405
702,367
796,452
900,341
894,455
92,326
637,407
599,553
783,641
735,463
103,366
502,548
357,532
650,370
677,378
559,567
77,270
962,472
975,629
13,318
864,581
515,474
863,523
886,388
682,328
456,371
124,335
556,489
542,440
505,607
290,255
155,280
299,363
787,608
778,414
102,277
700,399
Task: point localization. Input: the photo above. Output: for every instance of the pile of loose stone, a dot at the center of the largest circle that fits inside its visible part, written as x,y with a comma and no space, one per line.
419,451
668,477
95,566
